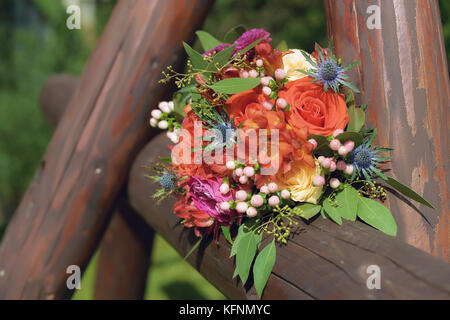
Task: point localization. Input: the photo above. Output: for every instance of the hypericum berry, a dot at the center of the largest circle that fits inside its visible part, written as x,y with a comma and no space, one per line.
342,150
334,183
281,103
241,195
249,171
264,189
241,207
267,105
320,159
273,187
253,73
274,201
164,106
225,206
265,81
156,114
326,163
163,125
230,165
318,181
337,132
267,91
239,172
285,194
244,74
252,212
332,166
224,188
349,145
153,122
335,144
280,74
171,105
341,165
257,201
173,137
314,144
259,63
243,179
349,169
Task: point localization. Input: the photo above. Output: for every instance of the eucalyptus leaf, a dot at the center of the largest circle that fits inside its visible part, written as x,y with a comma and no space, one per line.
357,119
347,200
263,266
307,210
196,58
407,192
208,41
235,85
377,215
332,211
234,33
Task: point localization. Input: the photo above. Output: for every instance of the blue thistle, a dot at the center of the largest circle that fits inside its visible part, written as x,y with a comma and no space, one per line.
167,180
365,159
223,131
328,72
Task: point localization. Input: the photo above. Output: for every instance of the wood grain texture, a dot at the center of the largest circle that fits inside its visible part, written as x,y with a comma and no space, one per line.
403,77
67,205
322,261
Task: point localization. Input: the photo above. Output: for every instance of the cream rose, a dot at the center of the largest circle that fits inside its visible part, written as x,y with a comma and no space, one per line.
299,180
296,60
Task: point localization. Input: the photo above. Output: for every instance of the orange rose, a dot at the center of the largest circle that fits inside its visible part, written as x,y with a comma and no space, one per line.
311,107
238,103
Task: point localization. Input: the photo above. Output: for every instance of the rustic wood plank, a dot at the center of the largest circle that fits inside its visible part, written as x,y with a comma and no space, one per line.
403,78
322,261
65,210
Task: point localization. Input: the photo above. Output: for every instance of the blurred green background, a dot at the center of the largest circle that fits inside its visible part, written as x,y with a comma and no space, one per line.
35,43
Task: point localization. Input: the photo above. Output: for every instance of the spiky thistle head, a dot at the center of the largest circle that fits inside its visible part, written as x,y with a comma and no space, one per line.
167,181
366,159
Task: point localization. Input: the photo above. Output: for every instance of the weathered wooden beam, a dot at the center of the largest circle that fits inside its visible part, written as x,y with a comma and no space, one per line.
65,210
125,249
403,78
322,261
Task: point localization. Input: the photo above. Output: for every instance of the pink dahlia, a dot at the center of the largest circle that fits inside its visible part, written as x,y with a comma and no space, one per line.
251,36
219,48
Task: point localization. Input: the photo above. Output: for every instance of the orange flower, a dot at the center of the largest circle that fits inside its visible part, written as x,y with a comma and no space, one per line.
192,216
311,107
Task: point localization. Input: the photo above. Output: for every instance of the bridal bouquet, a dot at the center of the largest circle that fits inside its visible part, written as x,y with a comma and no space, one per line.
263,137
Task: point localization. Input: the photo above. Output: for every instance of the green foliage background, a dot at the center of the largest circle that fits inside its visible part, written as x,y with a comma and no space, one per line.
35,44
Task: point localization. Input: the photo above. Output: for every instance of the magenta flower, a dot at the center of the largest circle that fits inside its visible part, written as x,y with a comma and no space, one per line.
207,198
251,36
219,48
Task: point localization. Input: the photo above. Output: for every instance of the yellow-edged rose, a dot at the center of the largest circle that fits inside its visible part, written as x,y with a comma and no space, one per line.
299,180
296,60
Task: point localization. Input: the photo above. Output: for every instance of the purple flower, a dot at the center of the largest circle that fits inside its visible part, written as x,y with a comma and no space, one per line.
219,48
251,36
207,197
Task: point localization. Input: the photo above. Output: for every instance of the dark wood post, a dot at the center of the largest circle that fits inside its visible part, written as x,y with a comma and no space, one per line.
65,210
403,77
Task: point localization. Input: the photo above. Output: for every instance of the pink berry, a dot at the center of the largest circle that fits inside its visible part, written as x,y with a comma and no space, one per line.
349,145
332,166
334,183
349,169
230,165
249,171
253,73
285,194
314,144
252,212
341,165
241,207
267,105
273,187
320,159
265,81
280,74
243,179
282,103
337,132
267,91
257,201
335,144
225,206
224,188
274,201
342,150
239,172
264,189
241,195
259,63
318,181
326,163
244,74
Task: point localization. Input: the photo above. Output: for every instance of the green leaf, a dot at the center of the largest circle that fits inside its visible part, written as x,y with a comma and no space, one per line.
249,47
263,267
208,41
348,203
235,85
377,215
306,210
226,233
407,192
221,58
234,33
282,46
245,254
332,211
194,247
354,136
196,58
323,145
357,119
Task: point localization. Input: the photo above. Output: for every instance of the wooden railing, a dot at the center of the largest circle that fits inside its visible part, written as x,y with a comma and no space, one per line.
82,179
